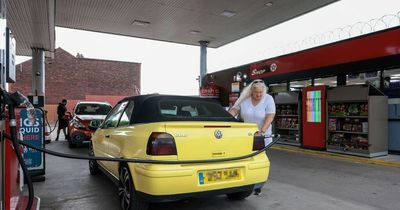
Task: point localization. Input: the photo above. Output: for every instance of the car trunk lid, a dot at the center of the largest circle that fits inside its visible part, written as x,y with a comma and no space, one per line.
211,140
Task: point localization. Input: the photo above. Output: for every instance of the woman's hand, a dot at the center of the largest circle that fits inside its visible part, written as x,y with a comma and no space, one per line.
262,133
234,112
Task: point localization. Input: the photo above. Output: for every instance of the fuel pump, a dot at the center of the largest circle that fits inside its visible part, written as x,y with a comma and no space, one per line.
11,173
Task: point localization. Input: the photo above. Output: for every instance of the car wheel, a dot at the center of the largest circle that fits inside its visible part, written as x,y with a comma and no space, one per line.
127,192
239,195
93,165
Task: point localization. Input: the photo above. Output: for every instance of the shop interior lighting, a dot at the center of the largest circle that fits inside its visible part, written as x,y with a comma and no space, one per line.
140,23
228,14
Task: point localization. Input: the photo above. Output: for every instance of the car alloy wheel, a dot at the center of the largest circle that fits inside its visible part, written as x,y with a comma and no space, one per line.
127,193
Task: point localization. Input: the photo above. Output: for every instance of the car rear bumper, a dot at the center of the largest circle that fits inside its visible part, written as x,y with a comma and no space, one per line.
167,198
179,181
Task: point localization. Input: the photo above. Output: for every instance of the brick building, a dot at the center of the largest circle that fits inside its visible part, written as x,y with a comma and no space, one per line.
78,78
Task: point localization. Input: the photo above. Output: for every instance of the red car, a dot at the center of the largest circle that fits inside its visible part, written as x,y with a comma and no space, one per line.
86,117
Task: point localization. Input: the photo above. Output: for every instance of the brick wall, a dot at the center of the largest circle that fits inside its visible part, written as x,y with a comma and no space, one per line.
73,78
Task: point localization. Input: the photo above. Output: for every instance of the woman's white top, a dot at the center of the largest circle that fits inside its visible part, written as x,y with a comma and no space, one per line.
256,114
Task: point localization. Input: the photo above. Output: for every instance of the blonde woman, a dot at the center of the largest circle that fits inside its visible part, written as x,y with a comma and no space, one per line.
256,106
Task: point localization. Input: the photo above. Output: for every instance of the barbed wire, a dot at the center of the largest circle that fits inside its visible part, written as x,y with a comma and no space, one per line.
338,34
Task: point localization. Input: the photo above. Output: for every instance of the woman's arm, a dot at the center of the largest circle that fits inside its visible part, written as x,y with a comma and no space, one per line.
267,122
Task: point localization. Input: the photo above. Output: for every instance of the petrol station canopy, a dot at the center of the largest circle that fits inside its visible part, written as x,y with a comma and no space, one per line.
219,22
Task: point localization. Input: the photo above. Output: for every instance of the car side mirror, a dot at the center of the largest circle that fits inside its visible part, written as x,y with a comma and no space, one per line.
94,124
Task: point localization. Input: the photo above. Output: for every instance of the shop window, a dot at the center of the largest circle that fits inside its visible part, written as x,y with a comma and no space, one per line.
298,85
372,78
329,81
277,88
392,76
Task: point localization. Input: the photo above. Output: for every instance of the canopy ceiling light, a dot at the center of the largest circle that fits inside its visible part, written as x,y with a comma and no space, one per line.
268,4
228,13
140,23
194,32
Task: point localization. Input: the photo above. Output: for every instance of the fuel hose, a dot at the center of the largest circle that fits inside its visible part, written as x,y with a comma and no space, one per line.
17,142
276,137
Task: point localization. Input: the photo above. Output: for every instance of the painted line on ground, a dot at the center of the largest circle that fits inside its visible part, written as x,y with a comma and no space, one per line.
337,156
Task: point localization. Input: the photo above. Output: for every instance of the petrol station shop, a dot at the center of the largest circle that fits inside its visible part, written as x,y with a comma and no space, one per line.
342,97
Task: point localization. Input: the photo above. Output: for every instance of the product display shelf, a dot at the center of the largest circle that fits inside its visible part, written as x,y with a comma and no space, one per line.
332,116
357,121
287,120
287,115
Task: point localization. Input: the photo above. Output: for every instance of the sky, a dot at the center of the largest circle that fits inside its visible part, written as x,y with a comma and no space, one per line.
170,68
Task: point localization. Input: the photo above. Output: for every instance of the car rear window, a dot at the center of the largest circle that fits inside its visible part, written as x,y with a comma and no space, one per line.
192,109
92,109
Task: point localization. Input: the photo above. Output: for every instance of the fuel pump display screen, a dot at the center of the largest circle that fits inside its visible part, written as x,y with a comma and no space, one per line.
314,106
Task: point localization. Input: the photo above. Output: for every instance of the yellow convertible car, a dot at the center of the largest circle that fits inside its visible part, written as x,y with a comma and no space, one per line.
177,128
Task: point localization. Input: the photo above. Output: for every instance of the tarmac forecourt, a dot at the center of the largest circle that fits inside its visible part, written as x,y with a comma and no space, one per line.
324,154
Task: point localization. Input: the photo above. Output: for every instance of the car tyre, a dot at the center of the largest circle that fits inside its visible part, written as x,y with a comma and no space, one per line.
93,165
239,195
127,192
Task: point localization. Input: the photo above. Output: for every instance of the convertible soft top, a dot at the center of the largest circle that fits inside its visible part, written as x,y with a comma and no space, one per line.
162,108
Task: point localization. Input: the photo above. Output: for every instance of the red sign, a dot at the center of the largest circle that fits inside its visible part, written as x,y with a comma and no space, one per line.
209,91
262,68
376,45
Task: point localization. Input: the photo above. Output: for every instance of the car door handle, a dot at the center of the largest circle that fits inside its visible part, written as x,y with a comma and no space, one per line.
107,136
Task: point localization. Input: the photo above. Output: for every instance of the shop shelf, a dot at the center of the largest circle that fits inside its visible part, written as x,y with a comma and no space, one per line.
290,140
333,116
352,151
292,129
367,104
351,132
288,113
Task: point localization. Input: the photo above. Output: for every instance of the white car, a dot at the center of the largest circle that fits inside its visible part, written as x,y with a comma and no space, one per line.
86,113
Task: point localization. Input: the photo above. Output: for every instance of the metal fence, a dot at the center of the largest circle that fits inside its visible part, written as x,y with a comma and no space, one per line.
338,34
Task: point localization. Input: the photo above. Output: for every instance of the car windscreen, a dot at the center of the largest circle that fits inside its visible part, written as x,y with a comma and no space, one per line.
92,109
187,110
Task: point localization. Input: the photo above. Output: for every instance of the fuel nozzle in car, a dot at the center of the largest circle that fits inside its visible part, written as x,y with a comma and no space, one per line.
17,99
23,101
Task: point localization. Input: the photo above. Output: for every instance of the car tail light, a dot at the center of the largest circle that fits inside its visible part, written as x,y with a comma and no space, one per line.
161,144
258,141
